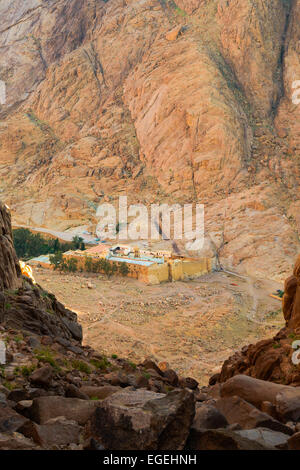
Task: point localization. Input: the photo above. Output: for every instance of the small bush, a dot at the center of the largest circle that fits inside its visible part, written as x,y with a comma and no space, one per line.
146,375
132,364
123,269
9,385
102,364
81,366
24,370
46,356
18,338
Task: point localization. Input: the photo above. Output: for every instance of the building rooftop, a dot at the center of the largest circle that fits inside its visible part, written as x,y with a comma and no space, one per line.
137,261
41,259
98,250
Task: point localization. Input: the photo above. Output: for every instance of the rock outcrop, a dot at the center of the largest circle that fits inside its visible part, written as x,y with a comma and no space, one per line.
52,397
291,299
10,272
272,359
26,306
61,397
144,420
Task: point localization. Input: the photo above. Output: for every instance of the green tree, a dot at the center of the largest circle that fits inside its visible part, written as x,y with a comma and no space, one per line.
21,237
78,243
71,265
123,269
88,264
56,246
29,245
57,260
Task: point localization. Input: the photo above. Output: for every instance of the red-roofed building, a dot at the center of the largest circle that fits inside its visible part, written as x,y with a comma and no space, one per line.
100,250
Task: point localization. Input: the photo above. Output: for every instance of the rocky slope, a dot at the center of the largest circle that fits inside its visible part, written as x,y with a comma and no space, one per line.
272,359
26,306
57,394
51,387
167,101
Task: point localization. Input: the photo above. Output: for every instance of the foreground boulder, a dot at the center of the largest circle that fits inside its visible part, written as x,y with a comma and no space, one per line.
42,376
56,432
266,437
253,390
294,442
45,408
143,420
237,410
208,417
16,441
221,439
288,404
99,392
10,421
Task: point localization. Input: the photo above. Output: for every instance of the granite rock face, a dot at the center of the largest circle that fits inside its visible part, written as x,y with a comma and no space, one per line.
144,420
26,306
99,100
10,273
291,299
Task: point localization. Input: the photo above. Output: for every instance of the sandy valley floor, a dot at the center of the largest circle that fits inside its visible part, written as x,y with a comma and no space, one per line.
193,325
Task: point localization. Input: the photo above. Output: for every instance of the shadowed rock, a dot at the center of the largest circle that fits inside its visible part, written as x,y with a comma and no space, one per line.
143,420
24,306
10,272
221,439
237,410
291,299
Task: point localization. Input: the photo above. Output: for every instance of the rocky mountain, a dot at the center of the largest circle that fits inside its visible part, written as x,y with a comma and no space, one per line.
57,394
162,100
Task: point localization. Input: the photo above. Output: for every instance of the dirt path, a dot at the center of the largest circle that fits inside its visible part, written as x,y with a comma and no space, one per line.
194,325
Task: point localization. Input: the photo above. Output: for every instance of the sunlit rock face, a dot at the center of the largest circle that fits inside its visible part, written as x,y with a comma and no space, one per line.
99,101
291,300
9,265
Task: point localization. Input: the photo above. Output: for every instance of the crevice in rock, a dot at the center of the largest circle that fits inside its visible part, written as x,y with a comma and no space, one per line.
22,19
289,6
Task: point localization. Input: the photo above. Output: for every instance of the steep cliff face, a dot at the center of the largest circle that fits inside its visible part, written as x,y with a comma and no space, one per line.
101,100
10,273
26,307
252,35
288,116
